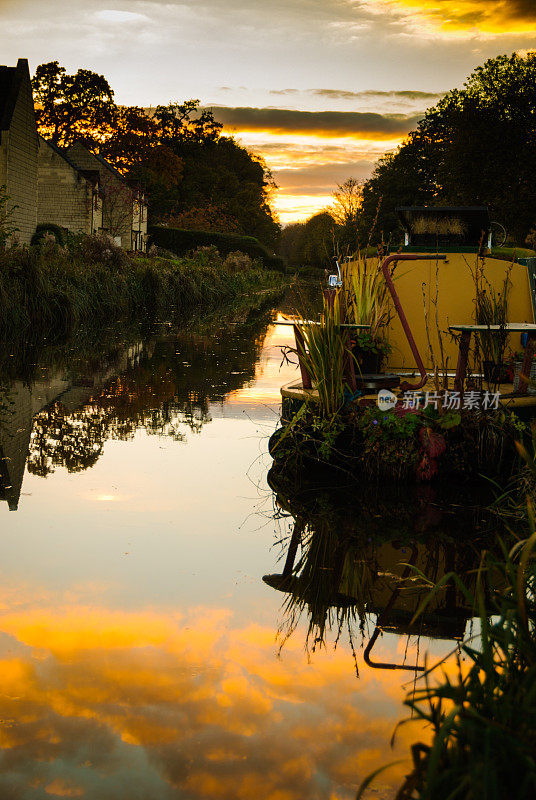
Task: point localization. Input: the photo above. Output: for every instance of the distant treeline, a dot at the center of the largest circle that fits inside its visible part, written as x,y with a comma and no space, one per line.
477,146
195,177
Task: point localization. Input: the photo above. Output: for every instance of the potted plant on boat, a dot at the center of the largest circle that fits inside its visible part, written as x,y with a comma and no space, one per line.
371,352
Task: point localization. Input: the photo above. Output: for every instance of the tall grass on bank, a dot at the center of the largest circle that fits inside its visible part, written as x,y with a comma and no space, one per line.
49,290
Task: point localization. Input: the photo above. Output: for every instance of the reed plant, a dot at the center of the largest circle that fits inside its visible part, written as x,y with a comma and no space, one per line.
367,296
491,308
324,353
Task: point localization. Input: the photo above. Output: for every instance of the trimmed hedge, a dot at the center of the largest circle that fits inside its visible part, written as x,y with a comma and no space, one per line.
181,241
50,228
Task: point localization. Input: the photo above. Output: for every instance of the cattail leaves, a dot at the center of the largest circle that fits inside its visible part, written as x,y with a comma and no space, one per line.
367,295
323,355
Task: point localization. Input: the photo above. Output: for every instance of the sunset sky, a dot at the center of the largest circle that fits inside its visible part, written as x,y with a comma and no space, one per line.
321,88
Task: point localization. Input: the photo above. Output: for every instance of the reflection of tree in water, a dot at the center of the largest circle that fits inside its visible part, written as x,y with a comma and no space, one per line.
74,440
356,557
167,395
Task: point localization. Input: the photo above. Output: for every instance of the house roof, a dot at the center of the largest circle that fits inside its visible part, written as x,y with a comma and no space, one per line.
91,175
106,164
11,79
101,160
61,153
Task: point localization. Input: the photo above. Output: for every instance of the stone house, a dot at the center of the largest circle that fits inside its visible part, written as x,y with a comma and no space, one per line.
67,196
124,207
19,148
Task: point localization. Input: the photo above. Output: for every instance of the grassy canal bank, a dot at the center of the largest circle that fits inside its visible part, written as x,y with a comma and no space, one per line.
50,290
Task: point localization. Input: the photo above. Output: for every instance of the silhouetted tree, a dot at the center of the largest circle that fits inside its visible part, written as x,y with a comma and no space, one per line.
72,107
312,243
476,146
132,138
346,211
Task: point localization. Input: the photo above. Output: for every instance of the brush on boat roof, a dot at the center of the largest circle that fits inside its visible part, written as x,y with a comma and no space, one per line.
456,225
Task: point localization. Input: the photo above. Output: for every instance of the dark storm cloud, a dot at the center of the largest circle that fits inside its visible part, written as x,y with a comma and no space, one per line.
368,94
320,123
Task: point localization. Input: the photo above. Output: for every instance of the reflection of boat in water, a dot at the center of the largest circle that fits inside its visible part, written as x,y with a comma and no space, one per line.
369,562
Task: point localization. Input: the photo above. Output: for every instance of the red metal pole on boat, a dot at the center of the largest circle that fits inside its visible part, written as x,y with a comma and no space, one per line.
405,386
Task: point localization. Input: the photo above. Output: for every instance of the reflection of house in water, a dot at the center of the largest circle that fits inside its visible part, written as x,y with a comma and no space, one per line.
365,565
165,385
20,403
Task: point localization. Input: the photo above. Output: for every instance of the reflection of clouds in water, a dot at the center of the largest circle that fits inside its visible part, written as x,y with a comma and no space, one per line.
148,705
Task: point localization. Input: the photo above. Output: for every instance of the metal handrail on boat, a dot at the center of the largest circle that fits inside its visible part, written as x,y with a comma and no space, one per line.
382,619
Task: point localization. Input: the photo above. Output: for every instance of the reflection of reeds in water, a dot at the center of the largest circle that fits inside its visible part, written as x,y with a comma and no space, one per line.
331,584
483,717
342,581
368,555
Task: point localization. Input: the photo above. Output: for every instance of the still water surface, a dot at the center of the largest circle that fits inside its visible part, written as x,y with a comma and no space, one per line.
141,653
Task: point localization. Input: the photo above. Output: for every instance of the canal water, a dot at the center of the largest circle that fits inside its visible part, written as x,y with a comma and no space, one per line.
142,655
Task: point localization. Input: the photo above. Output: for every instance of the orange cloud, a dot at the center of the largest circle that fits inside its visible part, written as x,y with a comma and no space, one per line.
456,16
61,788
308,168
